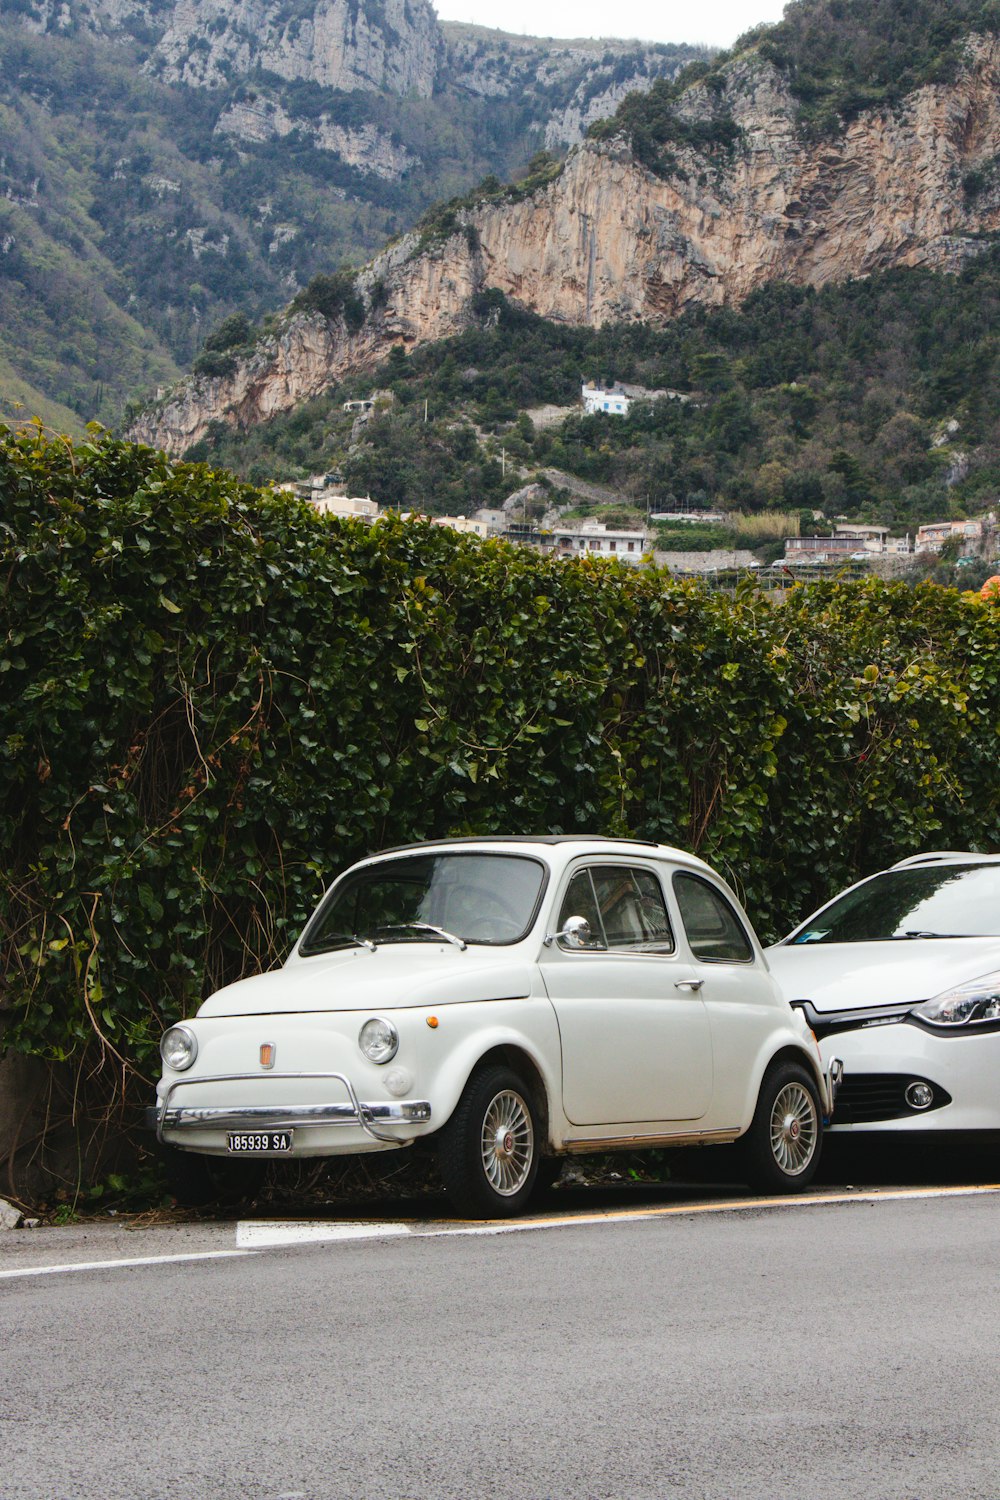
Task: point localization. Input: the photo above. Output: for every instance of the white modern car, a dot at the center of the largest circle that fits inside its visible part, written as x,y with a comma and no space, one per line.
900,977
507,1001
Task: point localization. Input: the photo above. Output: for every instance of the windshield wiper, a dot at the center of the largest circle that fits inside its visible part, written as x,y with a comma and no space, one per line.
918,933
440,932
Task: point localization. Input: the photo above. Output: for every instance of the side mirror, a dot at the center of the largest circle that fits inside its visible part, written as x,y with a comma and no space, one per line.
576,933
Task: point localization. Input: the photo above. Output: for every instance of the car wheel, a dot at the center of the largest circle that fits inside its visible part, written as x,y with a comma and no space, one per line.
197,1181
489,1150
780,1151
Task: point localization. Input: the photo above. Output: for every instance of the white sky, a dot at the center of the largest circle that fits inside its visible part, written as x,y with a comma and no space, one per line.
716,23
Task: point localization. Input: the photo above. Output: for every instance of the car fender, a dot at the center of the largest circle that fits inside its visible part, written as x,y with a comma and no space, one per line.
785,1045
532,1031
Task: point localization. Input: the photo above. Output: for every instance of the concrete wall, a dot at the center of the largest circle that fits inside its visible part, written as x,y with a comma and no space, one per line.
704,562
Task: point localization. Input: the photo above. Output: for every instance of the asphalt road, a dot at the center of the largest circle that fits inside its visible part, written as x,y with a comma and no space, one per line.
654,1344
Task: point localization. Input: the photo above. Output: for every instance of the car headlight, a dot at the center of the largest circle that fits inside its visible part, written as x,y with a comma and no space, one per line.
378,1040
971,1004
179,1048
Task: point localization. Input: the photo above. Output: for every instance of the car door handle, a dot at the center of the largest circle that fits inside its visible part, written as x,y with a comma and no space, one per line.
688,984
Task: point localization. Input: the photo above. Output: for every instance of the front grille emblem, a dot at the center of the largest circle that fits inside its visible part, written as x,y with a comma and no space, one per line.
267,1054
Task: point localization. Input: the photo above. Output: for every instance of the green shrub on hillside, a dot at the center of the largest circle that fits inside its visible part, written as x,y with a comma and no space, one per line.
845,56
651,123
840,57
334,297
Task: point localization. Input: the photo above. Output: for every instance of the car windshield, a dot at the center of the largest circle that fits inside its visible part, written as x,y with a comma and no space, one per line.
927,901
427,898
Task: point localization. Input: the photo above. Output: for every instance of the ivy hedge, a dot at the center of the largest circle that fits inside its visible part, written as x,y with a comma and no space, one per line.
212,700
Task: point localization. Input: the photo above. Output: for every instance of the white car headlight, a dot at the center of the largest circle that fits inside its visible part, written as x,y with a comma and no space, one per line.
378,1040
971,1004
179,1048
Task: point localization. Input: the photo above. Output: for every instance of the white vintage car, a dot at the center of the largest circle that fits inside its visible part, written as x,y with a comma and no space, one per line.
507,1001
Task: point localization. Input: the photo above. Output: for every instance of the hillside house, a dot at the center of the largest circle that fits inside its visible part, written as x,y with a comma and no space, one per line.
468,525
821,549
590,539
932,538
596,399
867,538
346,505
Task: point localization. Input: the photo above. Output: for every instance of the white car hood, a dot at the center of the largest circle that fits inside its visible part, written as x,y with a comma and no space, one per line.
850,976
393,977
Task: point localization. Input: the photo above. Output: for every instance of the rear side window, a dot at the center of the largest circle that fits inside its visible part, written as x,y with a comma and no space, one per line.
714,931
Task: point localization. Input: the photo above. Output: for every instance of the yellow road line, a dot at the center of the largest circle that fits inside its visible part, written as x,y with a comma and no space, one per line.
284,1233
732,1205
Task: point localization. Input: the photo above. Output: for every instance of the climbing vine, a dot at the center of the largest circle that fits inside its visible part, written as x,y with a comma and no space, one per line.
212,700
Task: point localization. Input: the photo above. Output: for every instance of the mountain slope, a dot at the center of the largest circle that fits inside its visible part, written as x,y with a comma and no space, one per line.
167,163
873,398
727,194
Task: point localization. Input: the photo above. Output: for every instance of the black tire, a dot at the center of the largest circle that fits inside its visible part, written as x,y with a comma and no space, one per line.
548,1174
780,1152
488,1153
198,1181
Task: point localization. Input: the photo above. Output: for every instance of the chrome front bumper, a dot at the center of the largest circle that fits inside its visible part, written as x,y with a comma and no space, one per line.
165,1115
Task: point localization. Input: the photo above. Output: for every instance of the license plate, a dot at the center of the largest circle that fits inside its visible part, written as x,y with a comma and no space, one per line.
260,1143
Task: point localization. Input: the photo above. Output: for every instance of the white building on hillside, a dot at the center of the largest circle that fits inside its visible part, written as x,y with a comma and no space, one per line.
346,505
869,538
596,399
469,525
591,539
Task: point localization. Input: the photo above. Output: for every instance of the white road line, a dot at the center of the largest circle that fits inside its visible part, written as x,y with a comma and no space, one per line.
113,1265
257,1234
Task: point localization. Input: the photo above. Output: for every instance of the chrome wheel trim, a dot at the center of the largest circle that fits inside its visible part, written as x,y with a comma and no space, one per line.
507,1143
794,1128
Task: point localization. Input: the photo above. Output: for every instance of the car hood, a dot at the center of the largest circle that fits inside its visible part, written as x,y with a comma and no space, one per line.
851,976
388,979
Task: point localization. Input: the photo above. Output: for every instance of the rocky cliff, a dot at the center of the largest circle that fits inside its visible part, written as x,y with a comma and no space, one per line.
366,147
335,43
392,46
395,45
609,240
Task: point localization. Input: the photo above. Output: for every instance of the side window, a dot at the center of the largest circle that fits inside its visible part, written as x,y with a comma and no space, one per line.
580,901
625,909
632,909
714,931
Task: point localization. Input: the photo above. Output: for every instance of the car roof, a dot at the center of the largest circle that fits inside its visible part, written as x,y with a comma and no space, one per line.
945,857
582,843
522,838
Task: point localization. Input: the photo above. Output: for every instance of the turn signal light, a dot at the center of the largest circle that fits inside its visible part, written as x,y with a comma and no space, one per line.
432,1022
